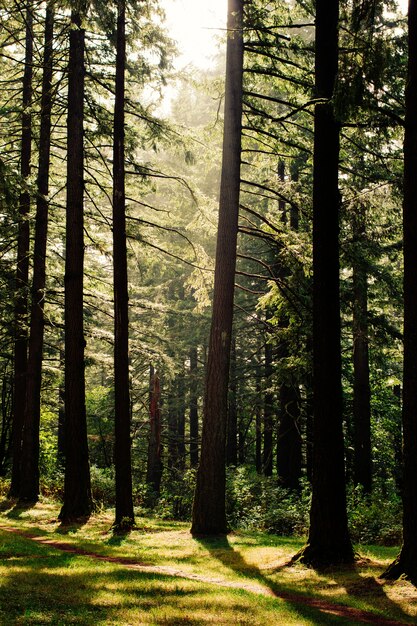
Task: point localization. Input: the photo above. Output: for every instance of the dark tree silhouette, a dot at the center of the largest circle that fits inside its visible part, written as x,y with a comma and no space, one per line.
328,540
29,487
22,268
77,487
122,449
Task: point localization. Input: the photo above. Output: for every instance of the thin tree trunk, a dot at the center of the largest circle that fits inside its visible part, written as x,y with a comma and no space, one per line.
209,511
406,563
289,443
154,466
173,460
361,387
29,488
231,445
122,450
77,487
289,456
258,427
193,408
268,417
328,540
181,420
22,270
61,412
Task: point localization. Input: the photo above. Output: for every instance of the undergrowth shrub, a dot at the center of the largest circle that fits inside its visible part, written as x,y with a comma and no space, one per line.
377,517
102,485
259,503
176,498
4,487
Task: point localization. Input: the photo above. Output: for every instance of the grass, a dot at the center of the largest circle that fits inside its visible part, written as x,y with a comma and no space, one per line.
43,585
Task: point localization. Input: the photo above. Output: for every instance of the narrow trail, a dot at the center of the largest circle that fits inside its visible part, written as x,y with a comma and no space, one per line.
359,616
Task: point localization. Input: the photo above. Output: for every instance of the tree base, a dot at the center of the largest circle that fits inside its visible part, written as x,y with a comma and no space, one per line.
400,567
123,526
320,556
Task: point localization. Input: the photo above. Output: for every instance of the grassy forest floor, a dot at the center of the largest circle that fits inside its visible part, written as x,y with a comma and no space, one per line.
159,574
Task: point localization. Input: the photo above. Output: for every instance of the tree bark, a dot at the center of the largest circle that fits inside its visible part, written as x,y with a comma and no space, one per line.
406,563
77,488
209,511
29,488
122,449
328,540
22,268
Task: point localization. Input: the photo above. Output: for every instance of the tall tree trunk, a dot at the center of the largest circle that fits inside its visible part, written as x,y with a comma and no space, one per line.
154,465
77,487
6,419
61,412
181,420
122,449
258,428
193,408
22,269
209,510
361,387
328,540
406,563
173,460
231,445
268,417
289,457
29,488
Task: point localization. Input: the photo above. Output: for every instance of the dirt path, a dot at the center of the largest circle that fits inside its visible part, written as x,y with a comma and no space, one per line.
357,615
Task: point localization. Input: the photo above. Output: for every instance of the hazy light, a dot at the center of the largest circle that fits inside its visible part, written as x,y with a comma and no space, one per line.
194,24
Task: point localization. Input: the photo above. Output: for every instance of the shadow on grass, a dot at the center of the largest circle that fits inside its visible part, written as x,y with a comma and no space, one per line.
325,611
118,536
14,509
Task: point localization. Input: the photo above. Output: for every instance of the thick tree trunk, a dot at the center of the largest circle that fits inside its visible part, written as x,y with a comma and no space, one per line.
77,488
361,387
154,466
22,268
328,540
209,511
406,562
122,448
193,408
29,488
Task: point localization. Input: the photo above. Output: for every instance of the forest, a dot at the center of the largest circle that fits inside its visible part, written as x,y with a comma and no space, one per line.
207,279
